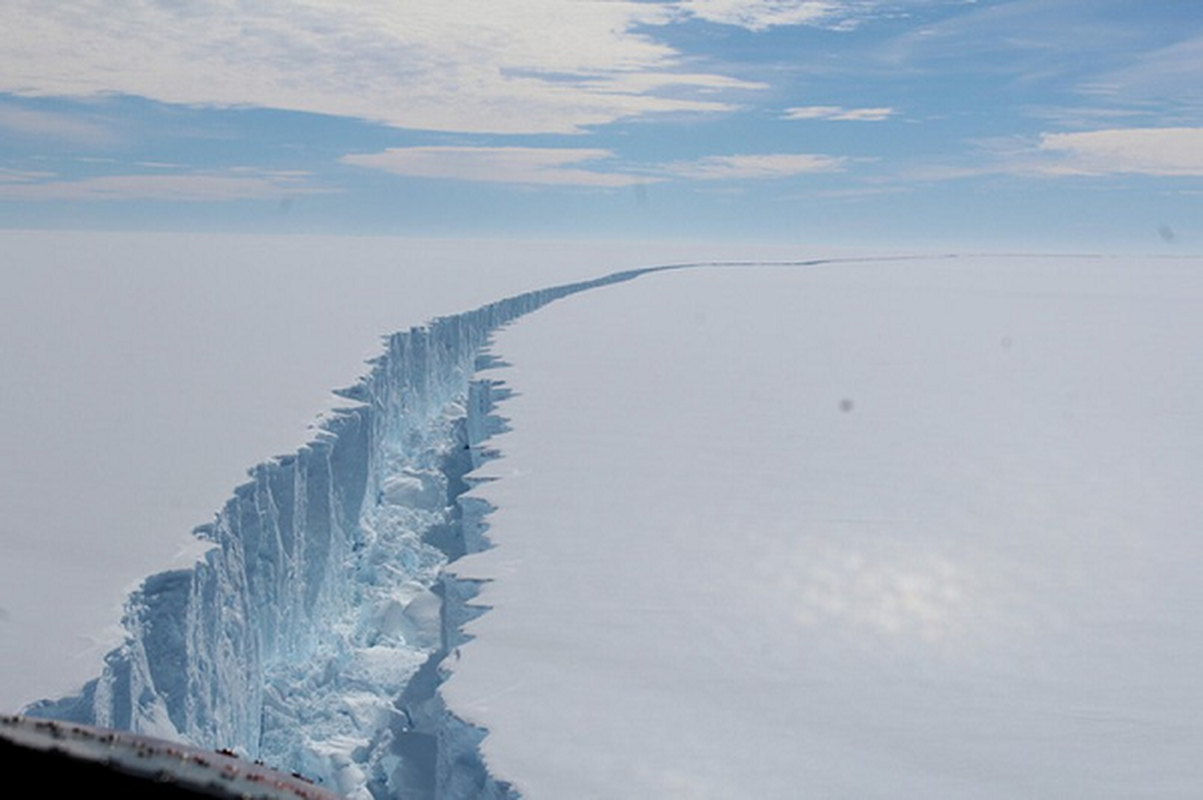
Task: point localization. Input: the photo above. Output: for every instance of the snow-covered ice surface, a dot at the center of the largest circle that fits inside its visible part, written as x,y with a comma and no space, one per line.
897,529
143,374
891,527
140,371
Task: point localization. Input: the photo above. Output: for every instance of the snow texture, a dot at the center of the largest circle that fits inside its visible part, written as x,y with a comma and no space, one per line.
876,529
924,528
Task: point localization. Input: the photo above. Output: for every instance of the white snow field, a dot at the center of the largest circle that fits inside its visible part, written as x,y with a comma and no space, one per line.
143,374
889,527
897,529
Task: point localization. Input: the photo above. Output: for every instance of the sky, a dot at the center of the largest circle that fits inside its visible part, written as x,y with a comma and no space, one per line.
1000,123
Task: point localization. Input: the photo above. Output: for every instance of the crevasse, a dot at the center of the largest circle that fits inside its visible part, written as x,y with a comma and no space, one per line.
312,633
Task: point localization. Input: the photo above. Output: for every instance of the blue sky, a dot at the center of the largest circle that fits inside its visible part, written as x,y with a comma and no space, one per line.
1002,123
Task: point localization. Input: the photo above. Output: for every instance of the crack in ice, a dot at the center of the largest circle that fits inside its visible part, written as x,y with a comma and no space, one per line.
313,634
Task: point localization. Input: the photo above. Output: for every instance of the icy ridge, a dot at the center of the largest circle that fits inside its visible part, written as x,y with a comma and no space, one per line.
311,633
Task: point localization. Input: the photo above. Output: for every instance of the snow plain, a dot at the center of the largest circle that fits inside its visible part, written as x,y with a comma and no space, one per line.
896,529
887,528
143,374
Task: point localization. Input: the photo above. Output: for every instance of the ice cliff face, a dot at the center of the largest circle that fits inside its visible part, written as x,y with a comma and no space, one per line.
312,634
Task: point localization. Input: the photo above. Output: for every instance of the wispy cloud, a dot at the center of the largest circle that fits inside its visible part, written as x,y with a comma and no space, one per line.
531,166
1109,55
759,15
754,166
1144,151
839,113
1033,35
70,128
237,184
1164,75
1153,152
528,66
587,167
21,176
839,15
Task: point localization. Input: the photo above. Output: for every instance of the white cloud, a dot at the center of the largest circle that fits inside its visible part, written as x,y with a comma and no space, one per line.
522,66
1146,151
839,113
758,15
542,166
1168,73
754,167
1156,152
71,128
236,184
560,166
839,15
21,176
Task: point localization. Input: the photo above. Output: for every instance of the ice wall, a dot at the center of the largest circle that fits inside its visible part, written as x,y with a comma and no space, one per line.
312,634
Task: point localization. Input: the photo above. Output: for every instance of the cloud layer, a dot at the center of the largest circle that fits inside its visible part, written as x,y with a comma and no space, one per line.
1144,151
559,166
191,187
525,66
755,166
759,15
533,166
839,113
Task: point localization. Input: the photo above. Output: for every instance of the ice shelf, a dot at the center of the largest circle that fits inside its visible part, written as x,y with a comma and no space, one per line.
312,633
